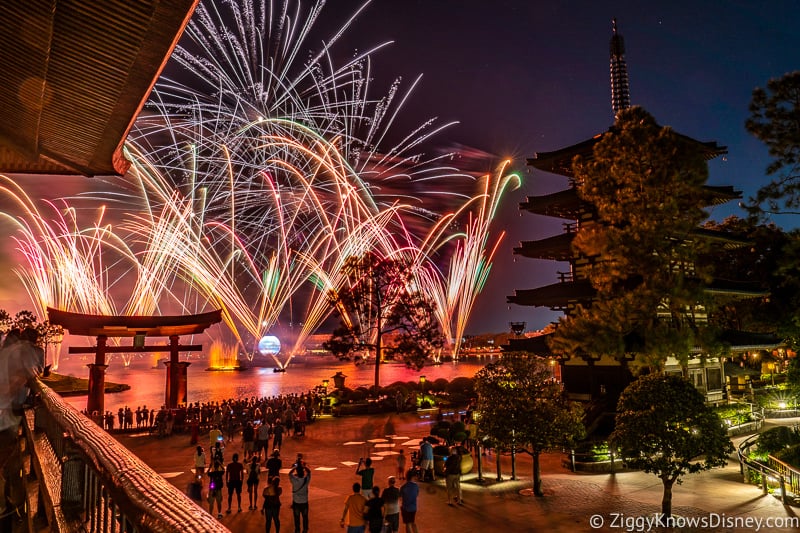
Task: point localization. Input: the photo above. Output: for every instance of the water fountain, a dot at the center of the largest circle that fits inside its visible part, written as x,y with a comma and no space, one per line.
223,357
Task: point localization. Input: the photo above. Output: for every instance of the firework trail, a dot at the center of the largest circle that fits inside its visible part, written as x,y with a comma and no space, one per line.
255,177
456,290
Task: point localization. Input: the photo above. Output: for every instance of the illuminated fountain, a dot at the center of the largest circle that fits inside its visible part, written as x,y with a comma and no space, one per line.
223,357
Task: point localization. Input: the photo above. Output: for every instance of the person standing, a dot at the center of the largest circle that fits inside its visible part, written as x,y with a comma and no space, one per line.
391,502
272,504
199,462
426,460
408,508
353,513
367,474
401,464
274,465
375,510
300,477
452,471
252,483
215,474
215,436
262,439
248,440
234,478
277,435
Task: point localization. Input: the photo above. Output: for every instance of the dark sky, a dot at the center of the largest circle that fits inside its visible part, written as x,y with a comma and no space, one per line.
525,76
528,76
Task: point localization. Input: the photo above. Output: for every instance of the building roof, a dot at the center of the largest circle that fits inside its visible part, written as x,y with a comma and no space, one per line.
560,161
556,248
567,205
556,295
131,326
75,75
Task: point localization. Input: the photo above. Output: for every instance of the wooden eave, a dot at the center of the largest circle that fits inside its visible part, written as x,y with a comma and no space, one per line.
560,161
76,73
562,204
741,289
557,295
556,248
130,326
728,241
745,341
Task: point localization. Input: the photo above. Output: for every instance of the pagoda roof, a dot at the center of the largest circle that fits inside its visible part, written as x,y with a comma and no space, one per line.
745,289
556,295
535,345
557,248
728,241
75,76
744,341
560,161
131,326
562,204
566,203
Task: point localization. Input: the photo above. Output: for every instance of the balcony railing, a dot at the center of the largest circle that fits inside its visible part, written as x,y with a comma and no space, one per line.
78,478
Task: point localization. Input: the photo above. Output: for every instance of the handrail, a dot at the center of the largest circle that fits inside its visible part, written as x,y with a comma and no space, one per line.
103,486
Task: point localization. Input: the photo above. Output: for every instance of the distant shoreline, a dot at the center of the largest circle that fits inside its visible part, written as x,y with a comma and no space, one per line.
72,386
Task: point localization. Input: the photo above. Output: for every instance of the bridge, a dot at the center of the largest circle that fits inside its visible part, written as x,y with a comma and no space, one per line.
74,477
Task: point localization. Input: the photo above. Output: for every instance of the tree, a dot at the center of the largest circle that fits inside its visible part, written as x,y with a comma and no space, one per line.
771,262
380,300
523,408
664,427
645,183
775,120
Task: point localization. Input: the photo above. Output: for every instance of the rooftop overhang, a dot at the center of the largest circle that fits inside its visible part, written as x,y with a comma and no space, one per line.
560,161
557,295
132,326
562,204
557,248
76,73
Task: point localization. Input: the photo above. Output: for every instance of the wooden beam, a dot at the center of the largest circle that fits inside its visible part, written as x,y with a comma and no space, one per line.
131,349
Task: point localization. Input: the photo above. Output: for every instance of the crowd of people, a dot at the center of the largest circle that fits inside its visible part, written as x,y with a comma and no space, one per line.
285,414
261,424
369,508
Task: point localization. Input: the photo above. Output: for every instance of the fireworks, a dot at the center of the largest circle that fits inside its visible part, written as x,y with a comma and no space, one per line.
254,178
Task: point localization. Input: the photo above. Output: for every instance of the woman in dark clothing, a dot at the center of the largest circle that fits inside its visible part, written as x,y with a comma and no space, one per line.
272,504
374,513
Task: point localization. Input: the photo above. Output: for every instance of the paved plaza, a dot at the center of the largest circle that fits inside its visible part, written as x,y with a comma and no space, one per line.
572,502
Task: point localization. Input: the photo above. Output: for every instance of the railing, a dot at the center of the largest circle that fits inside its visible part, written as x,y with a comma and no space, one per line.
81,479
767,473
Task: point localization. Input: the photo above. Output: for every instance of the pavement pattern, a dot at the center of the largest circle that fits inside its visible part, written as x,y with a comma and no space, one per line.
573,502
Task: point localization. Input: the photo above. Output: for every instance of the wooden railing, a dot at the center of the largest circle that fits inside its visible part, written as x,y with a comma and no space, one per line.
78,478
785,479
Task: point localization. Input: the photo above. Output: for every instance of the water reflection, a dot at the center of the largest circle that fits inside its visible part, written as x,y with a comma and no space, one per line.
304,373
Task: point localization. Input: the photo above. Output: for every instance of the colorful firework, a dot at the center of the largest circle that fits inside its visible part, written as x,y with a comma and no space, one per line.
256,177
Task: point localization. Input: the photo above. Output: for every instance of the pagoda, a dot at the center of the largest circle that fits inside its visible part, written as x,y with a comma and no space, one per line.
590,378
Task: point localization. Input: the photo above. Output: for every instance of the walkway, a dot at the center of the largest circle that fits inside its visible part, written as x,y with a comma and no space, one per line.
333,447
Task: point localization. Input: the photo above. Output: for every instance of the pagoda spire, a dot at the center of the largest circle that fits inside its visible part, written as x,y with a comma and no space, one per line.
620,90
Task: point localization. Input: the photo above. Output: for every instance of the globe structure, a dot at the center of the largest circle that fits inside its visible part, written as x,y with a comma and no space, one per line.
269,345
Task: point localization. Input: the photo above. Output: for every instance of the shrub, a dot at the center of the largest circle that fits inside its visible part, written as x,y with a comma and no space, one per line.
777,439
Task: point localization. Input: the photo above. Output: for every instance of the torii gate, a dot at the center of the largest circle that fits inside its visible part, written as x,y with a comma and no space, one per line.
139,328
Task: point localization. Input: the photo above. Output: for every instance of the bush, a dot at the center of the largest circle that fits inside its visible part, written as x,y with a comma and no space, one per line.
777,439
439,385
461,386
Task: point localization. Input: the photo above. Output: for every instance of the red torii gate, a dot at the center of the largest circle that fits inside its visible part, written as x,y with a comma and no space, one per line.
139,328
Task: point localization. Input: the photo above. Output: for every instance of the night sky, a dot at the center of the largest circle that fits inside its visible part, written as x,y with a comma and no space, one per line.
526,76
523,76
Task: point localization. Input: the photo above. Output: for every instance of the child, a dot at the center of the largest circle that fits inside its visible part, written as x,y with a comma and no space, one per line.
401,464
